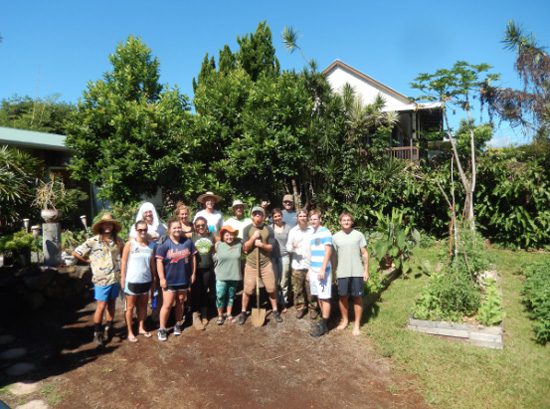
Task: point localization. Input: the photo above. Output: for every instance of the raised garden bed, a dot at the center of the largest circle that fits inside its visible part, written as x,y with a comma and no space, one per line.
488,337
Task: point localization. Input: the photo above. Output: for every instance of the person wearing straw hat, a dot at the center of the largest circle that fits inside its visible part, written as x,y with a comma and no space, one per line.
238,221
213,217
103,253
258,237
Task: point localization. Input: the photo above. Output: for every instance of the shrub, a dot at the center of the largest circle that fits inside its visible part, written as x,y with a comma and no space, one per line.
536,297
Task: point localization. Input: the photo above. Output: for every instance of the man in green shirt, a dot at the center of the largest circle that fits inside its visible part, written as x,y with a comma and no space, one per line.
352,270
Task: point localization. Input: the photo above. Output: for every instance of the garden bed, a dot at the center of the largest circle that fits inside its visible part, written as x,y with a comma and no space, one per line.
488,337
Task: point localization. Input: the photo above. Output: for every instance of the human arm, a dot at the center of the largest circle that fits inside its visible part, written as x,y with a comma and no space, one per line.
248,241
82,252
160,253
326,260
124,263
193,268
365,257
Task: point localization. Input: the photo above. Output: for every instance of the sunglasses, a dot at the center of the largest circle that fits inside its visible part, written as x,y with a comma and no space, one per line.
200,225
141,230
287,202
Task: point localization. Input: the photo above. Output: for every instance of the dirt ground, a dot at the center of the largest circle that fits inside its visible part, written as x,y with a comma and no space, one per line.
229,366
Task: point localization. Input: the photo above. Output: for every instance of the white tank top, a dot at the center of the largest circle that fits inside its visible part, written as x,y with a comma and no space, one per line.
138,269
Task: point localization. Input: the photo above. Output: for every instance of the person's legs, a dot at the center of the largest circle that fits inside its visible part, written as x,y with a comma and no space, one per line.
285,280
142,301
180,304
231,290
167,301
128,314
300,287
100,308
344,311
221,296
358,309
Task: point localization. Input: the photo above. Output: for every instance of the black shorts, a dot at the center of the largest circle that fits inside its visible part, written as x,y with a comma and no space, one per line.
138,288
354,286
176,288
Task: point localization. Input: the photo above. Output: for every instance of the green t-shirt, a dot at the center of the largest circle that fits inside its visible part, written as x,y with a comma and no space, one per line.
348,248
228,261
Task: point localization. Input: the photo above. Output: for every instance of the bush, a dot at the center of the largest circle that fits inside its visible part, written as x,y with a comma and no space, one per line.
536,297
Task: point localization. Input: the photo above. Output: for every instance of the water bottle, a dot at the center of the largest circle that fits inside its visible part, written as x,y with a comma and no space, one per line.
154,300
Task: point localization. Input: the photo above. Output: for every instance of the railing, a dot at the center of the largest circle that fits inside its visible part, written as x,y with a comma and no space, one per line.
406,152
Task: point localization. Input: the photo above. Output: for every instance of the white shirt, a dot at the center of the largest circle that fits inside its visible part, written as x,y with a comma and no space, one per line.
238,224
214,220
298,245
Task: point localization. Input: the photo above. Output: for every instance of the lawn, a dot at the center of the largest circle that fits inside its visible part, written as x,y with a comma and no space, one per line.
457,375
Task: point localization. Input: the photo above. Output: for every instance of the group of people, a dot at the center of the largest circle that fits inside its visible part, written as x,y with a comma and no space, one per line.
204,262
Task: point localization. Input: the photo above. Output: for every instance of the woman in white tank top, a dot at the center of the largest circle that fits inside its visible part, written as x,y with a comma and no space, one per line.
138,270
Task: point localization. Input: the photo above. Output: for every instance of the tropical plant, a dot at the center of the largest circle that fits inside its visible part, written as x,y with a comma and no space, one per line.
527,107
393,241
72,239
18,172
536,298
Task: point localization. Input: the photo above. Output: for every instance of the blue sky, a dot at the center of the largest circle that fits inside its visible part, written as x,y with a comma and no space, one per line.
56,47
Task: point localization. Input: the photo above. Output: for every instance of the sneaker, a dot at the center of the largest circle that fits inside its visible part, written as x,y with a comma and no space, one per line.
162,336
107,331
177,330
319,329
301,313
98,339
242,318
220,320
277,316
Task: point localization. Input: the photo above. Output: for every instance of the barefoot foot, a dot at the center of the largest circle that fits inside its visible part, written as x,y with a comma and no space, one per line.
343,325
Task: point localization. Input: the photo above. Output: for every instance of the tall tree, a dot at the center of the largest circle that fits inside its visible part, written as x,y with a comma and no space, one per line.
528,107
458,87
131,135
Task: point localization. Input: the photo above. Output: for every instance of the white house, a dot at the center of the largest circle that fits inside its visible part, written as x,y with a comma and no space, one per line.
414,118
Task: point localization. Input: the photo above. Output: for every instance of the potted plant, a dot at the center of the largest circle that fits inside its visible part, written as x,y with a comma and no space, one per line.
48,193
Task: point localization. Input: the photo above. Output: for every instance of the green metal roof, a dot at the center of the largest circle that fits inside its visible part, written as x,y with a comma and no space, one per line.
32,139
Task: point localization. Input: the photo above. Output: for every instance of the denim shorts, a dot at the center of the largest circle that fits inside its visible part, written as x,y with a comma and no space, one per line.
106,292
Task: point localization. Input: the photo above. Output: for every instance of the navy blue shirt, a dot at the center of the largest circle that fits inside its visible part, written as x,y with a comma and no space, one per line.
176,259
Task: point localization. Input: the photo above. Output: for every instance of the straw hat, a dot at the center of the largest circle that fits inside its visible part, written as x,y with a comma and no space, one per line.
106,218
202,198
237,203
229,229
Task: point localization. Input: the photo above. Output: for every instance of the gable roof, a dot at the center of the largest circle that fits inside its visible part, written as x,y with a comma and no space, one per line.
339,73
32,139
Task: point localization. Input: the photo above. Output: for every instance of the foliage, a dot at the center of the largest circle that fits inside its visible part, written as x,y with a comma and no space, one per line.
527,107
130,134
454,292
20,240
71,239
490,312
43,115
52,194
536,298
394,241
18,171
458,86
513,196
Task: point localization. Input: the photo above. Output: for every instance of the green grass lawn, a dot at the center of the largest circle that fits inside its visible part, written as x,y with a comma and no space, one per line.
458,375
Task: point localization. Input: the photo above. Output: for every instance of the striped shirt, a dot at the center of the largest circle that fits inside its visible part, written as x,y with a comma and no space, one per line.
319,239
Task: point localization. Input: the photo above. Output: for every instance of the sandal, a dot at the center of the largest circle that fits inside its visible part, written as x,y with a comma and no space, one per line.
146,334
220,320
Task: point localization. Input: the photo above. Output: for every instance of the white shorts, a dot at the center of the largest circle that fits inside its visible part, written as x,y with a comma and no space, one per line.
320,288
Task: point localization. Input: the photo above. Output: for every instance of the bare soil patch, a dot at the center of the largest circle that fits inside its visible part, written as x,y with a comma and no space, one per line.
229,366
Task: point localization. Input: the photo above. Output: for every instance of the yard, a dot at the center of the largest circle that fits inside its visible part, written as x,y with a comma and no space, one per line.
280,365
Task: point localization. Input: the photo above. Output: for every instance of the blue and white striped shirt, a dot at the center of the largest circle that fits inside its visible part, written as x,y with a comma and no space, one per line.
319,239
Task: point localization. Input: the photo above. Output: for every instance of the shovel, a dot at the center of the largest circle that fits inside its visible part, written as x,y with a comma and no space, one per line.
258,314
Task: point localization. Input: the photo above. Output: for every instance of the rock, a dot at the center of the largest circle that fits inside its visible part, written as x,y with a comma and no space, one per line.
13,353
21,368
40,279
24,388
34,404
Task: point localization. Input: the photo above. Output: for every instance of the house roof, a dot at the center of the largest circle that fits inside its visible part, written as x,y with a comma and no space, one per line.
32,139
338,73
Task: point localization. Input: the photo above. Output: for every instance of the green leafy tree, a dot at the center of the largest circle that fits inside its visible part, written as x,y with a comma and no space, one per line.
131,135
458,87
44,115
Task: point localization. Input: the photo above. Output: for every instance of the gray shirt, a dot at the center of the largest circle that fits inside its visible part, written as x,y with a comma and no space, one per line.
348,248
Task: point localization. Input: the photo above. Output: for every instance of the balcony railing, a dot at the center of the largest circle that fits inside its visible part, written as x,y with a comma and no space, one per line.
406,153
